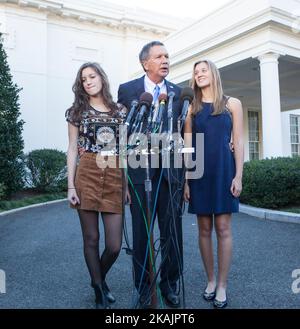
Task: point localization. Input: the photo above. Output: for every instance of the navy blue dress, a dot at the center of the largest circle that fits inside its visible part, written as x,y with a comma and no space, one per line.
211,194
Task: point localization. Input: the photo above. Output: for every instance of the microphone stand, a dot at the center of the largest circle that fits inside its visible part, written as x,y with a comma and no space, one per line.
148,191
170,127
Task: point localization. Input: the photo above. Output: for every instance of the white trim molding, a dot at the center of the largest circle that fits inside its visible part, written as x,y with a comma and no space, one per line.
103,13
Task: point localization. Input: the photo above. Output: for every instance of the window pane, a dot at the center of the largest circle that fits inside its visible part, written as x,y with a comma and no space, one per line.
293,120
295,149
294,130
253,127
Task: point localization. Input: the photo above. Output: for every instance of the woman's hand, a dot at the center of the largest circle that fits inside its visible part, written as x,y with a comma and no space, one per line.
236,187
73,197
186,193
81,150
127,196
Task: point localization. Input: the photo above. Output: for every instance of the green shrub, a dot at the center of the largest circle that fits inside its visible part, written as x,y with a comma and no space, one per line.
46,170
272,183
11,140
2,191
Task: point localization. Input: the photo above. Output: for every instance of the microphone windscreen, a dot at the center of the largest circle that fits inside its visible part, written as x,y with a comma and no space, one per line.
134,103
171,94
187,93
146,98
162,97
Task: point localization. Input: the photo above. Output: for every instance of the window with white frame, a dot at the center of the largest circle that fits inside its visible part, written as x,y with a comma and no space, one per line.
295,140
253,128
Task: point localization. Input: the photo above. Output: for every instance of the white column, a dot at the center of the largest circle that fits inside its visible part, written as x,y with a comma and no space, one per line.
270,103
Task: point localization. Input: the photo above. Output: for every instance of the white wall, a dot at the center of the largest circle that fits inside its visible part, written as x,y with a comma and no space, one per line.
44,53
69,46
26,40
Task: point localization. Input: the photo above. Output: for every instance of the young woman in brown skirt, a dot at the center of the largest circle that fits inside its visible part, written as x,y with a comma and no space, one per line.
96,183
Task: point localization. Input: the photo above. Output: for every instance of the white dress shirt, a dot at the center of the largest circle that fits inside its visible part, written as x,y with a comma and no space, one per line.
149,86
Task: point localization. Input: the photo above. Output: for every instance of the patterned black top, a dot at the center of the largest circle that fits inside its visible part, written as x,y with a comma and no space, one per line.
99,131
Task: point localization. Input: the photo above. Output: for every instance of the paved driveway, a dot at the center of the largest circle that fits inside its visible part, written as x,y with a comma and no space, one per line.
41,254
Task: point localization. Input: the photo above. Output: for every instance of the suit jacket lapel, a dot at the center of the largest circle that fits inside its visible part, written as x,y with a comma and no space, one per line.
169,86
140,87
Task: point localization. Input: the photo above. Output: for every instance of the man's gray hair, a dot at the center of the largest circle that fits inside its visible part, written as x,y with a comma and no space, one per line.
144,53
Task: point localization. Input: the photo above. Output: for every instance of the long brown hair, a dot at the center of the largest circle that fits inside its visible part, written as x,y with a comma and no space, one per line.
81,101
216,87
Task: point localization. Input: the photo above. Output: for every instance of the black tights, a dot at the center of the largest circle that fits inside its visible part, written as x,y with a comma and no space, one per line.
113,228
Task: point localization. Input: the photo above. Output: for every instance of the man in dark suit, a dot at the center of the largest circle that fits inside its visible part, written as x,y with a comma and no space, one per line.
154,59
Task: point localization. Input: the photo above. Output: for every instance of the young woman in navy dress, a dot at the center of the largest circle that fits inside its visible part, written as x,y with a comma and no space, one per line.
214,196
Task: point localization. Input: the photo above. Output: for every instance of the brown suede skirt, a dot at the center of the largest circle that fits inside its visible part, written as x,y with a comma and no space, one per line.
98,188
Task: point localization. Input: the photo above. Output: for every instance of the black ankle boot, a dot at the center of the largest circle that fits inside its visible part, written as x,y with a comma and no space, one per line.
109,296
101,301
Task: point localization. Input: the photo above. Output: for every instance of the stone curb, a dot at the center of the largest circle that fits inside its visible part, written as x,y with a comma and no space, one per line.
267,214
30,206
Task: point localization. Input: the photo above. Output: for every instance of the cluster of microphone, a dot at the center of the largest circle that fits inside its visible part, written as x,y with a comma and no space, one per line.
143,110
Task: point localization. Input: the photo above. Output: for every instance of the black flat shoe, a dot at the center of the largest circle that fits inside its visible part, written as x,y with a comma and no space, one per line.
101,301
144,302
209,296
219,304
109,296
172,300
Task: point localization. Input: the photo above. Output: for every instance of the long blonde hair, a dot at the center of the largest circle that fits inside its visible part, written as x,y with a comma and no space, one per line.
216,87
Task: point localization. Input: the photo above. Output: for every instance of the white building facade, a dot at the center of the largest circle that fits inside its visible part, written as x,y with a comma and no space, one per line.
256,46
46,43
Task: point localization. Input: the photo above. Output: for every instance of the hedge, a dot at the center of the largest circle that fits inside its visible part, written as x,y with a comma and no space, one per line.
272,183
46,170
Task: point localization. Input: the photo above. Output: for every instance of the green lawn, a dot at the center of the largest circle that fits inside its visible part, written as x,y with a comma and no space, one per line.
26,201
292,209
